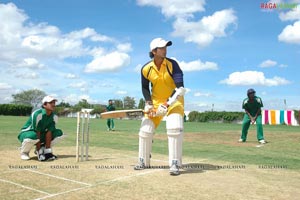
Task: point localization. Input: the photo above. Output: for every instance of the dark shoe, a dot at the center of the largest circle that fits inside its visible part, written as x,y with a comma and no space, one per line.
50,157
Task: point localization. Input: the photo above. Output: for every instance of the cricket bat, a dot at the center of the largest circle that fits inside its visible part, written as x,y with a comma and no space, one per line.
133,113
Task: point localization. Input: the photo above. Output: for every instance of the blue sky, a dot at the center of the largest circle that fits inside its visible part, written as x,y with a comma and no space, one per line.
94,49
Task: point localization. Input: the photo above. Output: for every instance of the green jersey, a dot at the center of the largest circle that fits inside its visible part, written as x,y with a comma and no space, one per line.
39,121
110,108
254,106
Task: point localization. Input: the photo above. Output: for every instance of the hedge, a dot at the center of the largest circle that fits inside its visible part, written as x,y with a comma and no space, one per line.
223,116
15,109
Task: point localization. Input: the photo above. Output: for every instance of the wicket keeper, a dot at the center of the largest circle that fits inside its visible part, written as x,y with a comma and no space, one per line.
165,98
252,106
40,130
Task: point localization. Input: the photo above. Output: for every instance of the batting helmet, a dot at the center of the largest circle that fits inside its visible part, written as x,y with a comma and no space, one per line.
250,91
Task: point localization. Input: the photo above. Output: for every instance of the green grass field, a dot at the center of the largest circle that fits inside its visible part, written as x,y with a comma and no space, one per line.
205,144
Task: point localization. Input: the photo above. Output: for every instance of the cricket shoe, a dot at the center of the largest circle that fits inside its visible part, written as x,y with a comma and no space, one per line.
174,170
25,156
140,165
48,155
262,141
241,140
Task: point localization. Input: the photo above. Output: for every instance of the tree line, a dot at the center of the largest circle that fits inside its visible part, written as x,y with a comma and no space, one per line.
25,102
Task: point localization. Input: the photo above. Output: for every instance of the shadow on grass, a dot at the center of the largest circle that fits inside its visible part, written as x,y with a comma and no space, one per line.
90,158
197,168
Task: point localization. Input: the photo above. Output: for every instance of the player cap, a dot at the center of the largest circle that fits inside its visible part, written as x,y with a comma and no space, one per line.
159,42
250,91
48,99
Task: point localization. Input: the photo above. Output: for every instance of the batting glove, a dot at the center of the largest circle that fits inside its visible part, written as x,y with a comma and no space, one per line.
148,107
162,110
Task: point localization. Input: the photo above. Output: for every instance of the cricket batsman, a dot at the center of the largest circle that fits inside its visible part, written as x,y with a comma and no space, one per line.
252,105
165,98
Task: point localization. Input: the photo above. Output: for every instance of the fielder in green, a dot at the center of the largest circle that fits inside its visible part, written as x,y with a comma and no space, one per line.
40,130
252,106
110,122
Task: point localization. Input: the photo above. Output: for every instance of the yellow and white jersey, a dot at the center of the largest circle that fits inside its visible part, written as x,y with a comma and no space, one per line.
163,83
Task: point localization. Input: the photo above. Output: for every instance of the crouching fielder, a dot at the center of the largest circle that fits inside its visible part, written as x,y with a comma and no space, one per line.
165,99
40,131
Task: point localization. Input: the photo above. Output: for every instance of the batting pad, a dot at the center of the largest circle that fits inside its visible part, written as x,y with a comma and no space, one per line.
175,137
145,140
57,140
27,144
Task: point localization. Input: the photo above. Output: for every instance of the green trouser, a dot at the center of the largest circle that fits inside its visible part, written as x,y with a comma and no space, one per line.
110,123
32,135
246,125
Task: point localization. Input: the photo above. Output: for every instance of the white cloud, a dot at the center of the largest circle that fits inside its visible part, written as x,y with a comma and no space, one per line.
75,98
253,78
71,76
268,63
202,104
204,31
121,92
109,62
199,94
5,86
176,8
201,32
11,19
126,47
290,34
30,63
31,75
89,33
53,46
78,85
291,15
283,65
197,65
28,44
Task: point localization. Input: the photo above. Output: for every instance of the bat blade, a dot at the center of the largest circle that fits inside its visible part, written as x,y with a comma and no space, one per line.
133,113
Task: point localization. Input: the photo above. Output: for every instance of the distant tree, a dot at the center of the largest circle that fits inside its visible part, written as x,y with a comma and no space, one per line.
129,102
118,104
63,108
82,104
141,103
98,108
63,104
29,97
